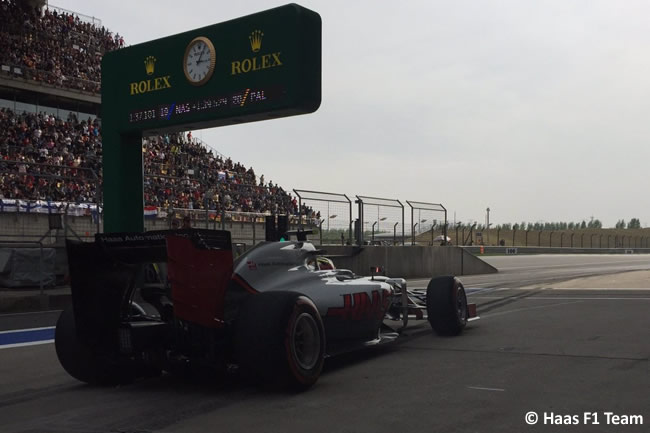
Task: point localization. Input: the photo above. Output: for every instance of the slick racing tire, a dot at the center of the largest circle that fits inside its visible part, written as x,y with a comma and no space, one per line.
80,360
446,305
280,339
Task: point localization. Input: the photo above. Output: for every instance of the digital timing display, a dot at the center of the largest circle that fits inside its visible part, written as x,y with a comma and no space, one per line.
240,99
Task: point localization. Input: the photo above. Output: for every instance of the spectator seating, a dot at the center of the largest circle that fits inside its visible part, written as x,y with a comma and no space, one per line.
54,48
43,157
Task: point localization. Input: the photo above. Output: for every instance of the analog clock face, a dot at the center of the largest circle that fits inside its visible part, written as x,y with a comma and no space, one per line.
199,61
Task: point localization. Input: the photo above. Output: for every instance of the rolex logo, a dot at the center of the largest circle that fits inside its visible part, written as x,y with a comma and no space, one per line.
258,62
149,64
256,40
150,84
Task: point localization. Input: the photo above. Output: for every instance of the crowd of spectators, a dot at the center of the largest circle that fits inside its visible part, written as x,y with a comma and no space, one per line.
181,171
53,47
43,157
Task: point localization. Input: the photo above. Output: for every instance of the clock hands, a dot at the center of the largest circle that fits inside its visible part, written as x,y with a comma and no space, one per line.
201,55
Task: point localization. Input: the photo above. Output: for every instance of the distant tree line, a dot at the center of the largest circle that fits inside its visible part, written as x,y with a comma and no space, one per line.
593,223
633,224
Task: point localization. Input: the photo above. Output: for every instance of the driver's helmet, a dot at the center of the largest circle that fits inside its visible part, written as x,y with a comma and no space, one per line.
324,264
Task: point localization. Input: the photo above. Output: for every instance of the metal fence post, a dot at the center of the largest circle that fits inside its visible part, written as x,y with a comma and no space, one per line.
360,218
444,234
412,226
402,221
395,233
299,210
350,224
320,231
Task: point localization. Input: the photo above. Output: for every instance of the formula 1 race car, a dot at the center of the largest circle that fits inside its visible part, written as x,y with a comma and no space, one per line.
165,300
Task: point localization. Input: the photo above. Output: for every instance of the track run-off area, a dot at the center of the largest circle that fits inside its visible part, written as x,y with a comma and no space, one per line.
559,335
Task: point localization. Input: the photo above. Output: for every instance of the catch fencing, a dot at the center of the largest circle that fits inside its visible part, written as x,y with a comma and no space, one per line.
424,218
332,212
381,221
330,216
245,227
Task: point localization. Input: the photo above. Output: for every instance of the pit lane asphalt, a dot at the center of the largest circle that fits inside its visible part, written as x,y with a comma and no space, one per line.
566,351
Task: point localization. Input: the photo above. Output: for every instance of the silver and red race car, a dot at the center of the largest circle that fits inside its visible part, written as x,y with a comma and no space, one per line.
158,301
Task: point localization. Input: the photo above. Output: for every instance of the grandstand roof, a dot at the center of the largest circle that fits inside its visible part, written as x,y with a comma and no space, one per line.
41,94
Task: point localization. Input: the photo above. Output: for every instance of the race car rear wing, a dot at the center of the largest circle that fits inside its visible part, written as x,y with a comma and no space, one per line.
105,273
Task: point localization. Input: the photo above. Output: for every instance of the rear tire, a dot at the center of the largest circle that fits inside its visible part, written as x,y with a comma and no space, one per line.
280,338
446,305
80,360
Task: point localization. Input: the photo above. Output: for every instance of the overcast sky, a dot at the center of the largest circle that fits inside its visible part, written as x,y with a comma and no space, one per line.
536,109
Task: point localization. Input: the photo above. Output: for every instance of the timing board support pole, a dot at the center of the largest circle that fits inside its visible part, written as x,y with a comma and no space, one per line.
123,182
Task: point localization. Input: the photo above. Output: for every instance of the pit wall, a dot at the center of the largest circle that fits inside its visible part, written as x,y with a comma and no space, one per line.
408,261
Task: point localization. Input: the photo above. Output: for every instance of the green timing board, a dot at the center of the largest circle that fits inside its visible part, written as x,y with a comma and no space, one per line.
258,67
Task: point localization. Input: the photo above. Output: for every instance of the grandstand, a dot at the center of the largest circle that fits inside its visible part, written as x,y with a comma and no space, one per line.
50,130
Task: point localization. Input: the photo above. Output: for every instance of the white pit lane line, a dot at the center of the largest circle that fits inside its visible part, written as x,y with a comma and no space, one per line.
26,337
631,262
485,316
481,388
30,313
32,343
567,298
468,290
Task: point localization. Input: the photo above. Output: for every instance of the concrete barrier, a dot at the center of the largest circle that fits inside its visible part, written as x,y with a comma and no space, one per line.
409,261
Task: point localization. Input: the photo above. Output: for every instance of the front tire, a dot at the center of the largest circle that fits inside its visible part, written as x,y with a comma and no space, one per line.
280,338
446,305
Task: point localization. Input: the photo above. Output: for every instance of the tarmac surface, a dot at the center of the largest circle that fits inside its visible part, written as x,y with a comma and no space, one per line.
560,349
